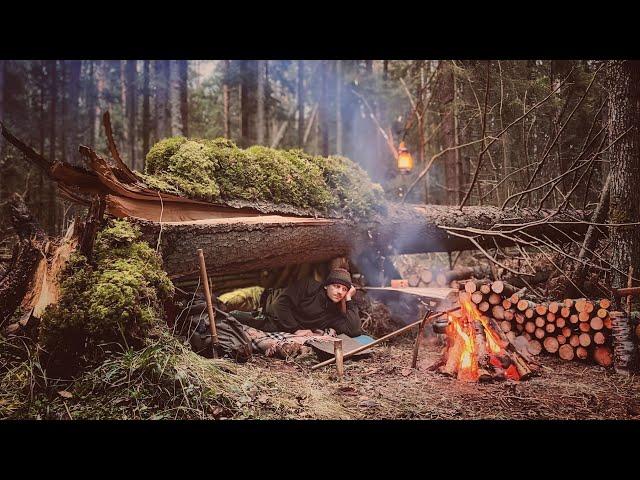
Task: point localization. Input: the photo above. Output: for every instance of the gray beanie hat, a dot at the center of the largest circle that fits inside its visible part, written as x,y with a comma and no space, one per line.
339,276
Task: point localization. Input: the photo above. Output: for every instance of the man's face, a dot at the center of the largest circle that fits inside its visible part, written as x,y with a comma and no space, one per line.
336,292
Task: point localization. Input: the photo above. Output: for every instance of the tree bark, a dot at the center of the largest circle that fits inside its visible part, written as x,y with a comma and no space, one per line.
338,107
323,111
145,113
73,68
53,101
174,99
91,102
132,98
300,103
162,98
252,243
14,285
183,68
624,202
225,100
260,120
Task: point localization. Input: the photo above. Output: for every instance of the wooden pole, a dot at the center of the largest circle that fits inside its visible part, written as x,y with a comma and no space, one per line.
382,339
207,297
416,346
337,351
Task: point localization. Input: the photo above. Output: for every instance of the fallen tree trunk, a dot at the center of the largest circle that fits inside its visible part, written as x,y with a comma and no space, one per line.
247,243
240,236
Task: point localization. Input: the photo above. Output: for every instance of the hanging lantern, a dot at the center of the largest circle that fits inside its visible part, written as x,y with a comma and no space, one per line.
405,160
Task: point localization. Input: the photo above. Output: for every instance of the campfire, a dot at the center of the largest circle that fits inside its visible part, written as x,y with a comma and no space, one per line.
478,350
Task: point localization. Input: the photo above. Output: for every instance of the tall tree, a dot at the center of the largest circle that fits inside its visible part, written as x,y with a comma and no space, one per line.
122,70
132,99
339,107
145,111
53,100
174,98
101,69
248,107
260,120
300,103
323,111
91,102
161,82
183,66
225,100
623,79
73,111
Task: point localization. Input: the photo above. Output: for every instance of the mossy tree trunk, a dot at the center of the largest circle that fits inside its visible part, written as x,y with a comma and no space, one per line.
624,197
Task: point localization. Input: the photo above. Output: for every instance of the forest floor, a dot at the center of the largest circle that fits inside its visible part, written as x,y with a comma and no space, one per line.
383,386
166,380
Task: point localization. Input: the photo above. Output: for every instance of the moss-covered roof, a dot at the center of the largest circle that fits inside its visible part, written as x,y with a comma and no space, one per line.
217,170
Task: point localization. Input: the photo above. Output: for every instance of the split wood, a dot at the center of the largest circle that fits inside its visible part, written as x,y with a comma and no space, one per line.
382,339
207,297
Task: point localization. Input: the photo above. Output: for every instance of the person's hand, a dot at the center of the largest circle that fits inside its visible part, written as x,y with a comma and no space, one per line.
351,293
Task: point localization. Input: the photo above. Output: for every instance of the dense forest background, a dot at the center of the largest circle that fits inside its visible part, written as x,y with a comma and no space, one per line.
486,129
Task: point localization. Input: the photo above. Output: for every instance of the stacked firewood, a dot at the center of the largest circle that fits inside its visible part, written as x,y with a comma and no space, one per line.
431,277
573,328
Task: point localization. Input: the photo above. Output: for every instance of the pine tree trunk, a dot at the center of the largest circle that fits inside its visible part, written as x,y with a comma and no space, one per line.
100,77
91,102
74,67
323,112
260,123
339,107
63,114
225,101
161,100
53,101
301,103
174,98
123,108
623,78
184,95
145,112
132,97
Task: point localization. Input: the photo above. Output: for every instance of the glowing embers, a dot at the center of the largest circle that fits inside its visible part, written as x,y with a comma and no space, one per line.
477,350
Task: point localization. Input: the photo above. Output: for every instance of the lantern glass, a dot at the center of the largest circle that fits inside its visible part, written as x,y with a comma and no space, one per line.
405,160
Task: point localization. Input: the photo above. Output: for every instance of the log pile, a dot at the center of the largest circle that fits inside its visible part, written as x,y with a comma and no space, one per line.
572,329
432,277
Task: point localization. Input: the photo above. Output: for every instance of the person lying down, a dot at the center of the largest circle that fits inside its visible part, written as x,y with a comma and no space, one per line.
307,307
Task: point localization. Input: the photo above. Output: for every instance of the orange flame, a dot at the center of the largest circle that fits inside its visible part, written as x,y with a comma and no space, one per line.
461,330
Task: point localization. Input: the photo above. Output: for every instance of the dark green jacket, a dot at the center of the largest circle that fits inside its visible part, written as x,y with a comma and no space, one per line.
305,306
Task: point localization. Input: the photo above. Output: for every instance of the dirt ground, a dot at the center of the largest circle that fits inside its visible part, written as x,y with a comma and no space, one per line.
382,386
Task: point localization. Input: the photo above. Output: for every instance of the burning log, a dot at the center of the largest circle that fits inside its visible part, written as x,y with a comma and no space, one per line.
480,349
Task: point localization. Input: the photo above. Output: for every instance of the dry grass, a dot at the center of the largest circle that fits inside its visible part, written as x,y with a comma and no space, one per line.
167,380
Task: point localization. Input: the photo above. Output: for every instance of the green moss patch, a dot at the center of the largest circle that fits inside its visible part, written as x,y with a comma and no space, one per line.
217,170
110,304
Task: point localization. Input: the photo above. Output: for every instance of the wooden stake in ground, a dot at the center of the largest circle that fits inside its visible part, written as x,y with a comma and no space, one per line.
337,351
207,297
416,346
